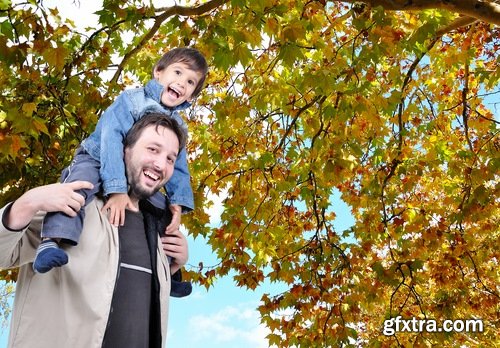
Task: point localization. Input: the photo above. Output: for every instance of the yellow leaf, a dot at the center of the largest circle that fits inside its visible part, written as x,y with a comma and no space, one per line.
293,32
29,108
40,125
55,57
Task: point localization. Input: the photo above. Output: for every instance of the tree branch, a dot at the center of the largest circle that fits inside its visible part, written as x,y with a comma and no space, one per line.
487,11
460,22
294,120
465,107
168,12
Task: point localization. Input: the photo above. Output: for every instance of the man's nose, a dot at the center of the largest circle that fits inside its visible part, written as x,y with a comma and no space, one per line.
160,163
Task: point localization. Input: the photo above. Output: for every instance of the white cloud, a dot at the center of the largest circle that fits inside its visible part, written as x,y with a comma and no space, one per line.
231,326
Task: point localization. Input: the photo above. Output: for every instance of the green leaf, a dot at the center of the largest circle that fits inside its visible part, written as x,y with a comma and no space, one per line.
242,54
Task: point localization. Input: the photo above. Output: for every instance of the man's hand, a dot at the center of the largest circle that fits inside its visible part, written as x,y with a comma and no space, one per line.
175,245
116,205
176,219
49,198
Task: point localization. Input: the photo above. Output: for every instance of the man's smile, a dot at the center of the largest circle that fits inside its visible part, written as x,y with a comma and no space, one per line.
152,175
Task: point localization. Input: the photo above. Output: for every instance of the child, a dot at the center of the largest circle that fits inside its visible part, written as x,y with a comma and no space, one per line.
178,77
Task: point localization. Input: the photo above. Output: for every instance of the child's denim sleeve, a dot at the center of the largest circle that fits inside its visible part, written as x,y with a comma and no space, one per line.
115,123
179,186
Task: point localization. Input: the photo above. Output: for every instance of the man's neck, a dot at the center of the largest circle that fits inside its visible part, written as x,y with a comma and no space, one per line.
135,202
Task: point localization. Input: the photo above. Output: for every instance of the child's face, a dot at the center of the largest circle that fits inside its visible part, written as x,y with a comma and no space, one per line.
179,82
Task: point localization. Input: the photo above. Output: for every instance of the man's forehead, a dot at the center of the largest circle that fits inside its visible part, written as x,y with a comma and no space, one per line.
158,134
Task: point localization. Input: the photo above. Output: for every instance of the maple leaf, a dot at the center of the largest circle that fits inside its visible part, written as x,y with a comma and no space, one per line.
55,57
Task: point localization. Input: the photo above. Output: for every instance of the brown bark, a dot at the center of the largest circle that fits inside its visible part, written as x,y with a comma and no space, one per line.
487,11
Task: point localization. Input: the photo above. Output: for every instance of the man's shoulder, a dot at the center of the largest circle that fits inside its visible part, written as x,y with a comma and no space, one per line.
96,204
95,217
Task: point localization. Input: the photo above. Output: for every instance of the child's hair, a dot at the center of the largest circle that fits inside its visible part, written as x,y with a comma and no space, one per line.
190,56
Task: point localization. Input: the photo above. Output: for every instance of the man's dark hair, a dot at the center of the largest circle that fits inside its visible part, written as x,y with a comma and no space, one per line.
155,119
190,56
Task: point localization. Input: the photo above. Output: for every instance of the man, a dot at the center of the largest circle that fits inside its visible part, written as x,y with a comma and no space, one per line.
115,289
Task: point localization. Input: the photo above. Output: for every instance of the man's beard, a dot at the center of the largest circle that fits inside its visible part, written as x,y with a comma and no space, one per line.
138,191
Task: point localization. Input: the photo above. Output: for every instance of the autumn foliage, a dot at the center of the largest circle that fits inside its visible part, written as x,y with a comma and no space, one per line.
306,100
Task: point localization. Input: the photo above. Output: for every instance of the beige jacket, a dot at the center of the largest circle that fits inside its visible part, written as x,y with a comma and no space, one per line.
69,306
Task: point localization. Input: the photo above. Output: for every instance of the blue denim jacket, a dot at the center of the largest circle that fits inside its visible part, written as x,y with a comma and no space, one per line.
105,144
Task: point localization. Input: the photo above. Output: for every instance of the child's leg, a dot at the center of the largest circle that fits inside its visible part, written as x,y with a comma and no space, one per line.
59,227
48,256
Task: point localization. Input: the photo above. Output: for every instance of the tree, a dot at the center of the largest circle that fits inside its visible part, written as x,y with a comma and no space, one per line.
381,101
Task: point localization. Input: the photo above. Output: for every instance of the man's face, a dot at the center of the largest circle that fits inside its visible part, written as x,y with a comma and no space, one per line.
179,82
150,161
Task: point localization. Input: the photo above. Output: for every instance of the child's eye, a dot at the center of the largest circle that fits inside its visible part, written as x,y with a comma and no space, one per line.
178,72
191,82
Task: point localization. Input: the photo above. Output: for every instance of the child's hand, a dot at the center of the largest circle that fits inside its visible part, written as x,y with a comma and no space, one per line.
176,219
116,205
